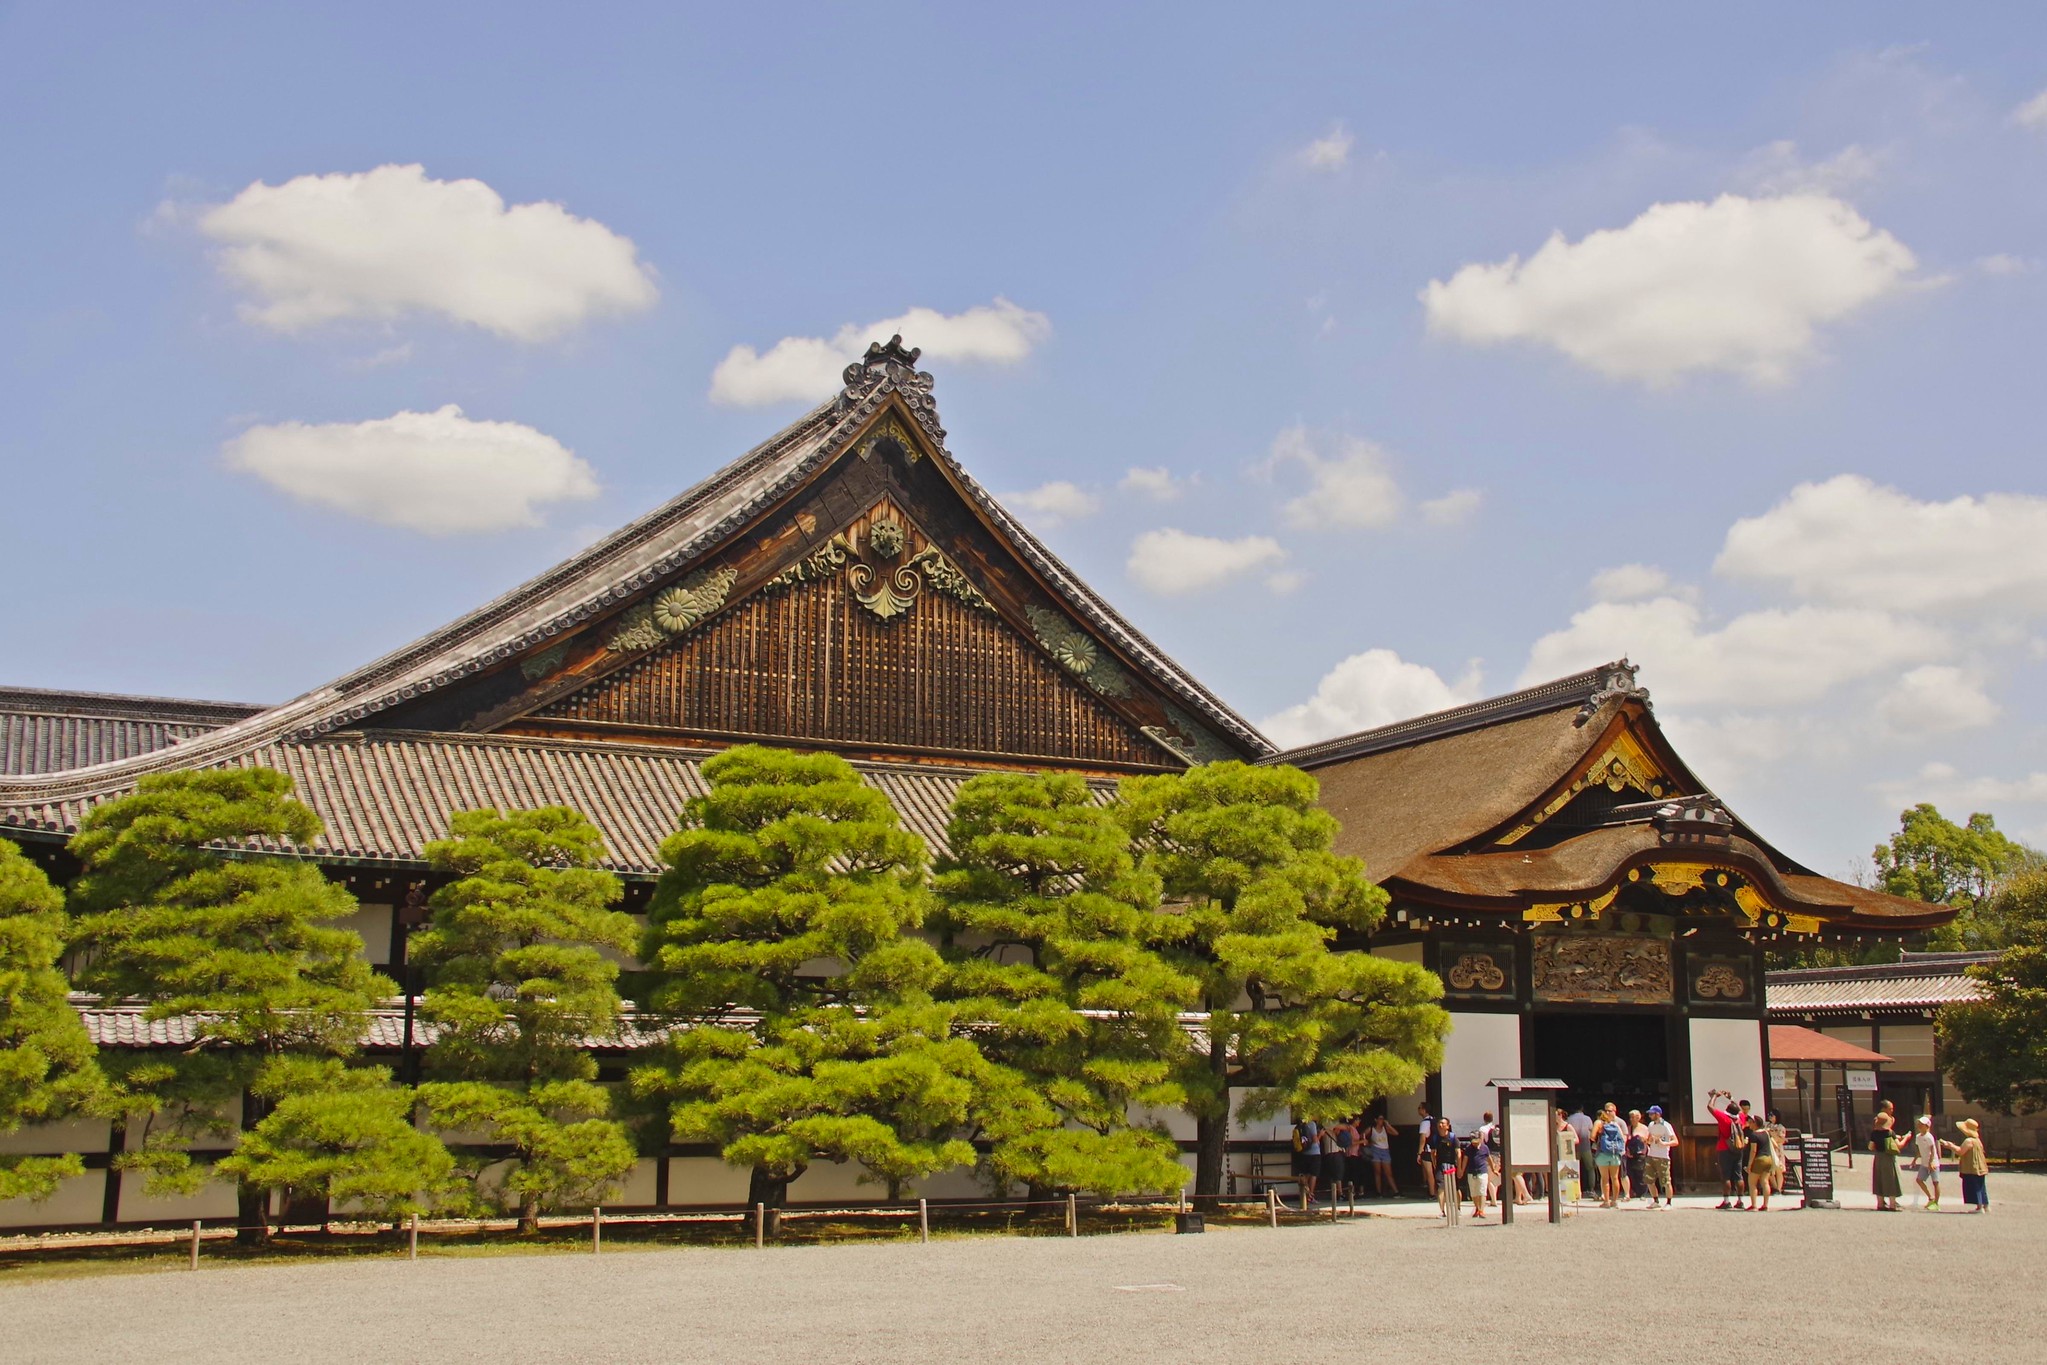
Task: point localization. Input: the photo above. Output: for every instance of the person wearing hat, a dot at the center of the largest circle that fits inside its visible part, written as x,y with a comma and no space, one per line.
1926,1161
1974,1165
1883,1170
1656,1166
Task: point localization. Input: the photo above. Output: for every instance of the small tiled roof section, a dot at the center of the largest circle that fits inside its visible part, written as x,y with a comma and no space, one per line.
45,731
1790,1043
623,565
382,795
1921,981
129,1026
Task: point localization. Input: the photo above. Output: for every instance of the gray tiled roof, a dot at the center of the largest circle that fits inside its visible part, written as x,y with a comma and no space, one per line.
130,1026
383,795
45,731
1922,981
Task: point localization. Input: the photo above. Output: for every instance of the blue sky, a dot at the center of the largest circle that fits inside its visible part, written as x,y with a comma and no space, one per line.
1762,414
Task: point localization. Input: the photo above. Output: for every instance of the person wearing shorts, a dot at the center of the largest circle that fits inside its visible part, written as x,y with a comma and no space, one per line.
1426,1133
1379,1155
1656,1166
1728,1145
1762,1167
1475,1164
1332,1160
1307,1159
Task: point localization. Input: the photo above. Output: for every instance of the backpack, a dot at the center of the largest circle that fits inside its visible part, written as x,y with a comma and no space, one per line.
1636,1146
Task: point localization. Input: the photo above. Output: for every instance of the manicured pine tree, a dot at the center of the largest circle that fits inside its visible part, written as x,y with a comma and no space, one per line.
519,986
242,946
1995,1048
47,1068
783,926
1052,933
1246,854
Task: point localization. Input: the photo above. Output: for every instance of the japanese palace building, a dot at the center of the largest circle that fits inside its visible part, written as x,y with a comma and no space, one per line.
1595,913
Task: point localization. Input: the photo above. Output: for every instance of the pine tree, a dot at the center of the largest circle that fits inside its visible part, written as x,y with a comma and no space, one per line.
519,986
1052,933
343,1135
1246,854
47,1068
241,946
811,1033
1994,1048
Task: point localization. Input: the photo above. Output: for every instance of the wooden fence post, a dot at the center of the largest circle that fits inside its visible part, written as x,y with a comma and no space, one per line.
195,1244
1072,1216
760,1225
1272,1205
596,1228
412,1238
924,1220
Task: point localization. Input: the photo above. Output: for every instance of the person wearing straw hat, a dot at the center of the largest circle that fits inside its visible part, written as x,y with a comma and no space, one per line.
1883,1171
1974,1165
1926,1162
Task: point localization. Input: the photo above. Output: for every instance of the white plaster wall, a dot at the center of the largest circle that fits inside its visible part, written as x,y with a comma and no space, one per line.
1727,1054
1405,1110
216,1200
373,922
1480,1048
76,1201
54,1139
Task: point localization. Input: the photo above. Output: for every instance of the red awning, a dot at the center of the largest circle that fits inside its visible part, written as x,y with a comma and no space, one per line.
1789,1043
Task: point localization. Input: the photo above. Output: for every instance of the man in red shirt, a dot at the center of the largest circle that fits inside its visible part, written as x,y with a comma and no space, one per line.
1720,1104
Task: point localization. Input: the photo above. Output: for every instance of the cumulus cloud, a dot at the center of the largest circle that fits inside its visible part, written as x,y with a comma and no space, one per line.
1853,541
1176,562
2032,114
1781,658
1330,152
386,243
1936,699
1627,582
1055,502
1453,508
1350,482
809,368
1156,483
1738,285
437,472
1944,785
1365,691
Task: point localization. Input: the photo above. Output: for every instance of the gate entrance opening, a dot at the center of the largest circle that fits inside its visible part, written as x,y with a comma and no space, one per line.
1623,1058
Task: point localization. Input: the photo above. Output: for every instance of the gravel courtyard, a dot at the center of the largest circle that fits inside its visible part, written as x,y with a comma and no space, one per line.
1678,1284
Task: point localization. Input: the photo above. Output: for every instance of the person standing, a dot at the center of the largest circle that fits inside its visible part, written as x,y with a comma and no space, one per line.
1581,1128
1610,1145
1719,1103
1778,1138
1475,1163
1926,1162
1762,1166
1974,1164
1379,1156
1426,1133
1883,1168
1567,1159
1662,1142
1636,1156
1307,1159
1444,1158
1336,1141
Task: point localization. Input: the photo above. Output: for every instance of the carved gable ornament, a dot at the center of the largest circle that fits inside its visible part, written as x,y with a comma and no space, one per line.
886,590
1624,763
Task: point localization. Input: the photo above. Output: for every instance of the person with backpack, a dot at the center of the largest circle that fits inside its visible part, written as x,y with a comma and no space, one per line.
1307,1159
1426,1133
1609,1148
1727,1146
1635,1157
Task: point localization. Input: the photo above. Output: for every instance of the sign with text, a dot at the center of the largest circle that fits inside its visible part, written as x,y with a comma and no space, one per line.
1863,1080
1528,1124
1816,1168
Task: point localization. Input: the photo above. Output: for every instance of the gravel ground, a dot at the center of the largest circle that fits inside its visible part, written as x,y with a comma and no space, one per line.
1819,1286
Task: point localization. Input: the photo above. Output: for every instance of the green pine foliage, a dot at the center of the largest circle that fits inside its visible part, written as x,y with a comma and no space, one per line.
342,1134
520,986
1995,1048
783,925
1053,936
1245,856
47,1068
240,946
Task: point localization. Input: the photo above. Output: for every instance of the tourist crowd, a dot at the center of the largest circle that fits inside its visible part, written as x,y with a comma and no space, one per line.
1617,1158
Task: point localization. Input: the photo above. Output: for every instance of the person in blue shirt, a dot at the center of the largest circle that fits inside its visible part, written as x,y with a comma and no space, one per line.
1609,1147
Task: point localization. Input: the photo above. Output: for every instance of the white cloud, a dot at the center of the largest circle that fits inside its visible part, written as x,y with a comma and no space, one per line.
1780,658
2004,263
1853,541
1779,169
385,243
1365,691
809,368
1156,483
1453,508
1057,501
1738,285
1627,582
1944,785
437,472
2032,114
1350,484
1936,699
1330,152
1173,561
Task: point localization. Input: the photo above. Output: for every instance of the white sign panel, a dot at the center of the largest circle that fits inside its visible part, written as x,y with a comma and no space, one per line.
1780,1079
1861,1080
1528,1125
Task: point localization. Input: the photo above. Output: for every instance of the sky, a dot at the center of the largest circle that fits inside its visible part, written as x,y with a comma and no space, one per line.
1371,358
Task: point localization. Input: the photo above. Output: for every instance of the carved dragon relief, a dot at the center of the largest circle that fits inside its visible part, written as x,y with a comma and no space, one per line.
886,593
672,612
1623,764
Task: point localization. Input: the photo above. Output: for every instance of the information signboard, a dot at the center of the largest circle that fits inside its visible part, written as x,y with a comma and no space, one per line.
1864,1080
1816,1170
1528,1125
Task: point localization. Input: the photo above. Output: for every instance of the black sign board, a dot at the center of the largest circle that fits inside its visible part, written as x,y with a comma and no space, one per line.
1816,1170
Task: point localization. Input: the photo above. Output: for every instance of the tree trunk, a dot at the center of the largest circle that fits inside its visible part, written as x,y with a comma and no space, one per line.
529,1215
252,1205
1212,1129
763,1187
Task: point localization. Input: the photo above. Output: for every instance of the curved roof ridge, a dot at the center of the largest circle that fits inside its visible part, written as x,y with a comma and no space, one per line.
55,701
